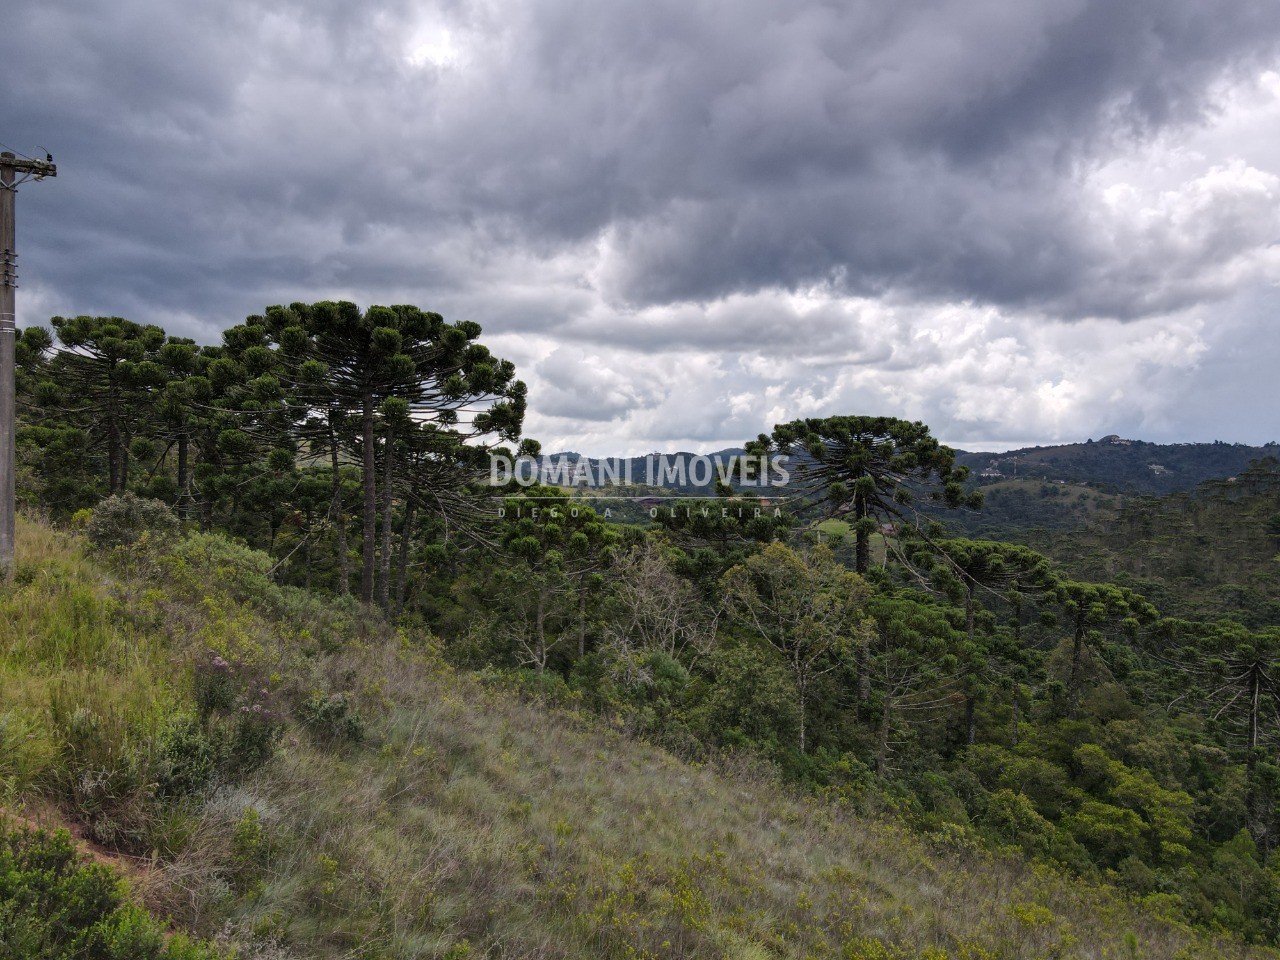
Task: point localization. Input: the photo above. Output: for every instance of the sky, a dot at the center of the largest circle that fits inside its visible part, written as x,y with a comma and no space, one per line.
1020,221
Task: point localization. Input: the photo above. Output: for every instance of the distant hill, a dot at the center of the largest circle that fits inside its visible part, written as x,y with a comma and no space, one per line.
1054,488
1068,486
1113,464
1117,465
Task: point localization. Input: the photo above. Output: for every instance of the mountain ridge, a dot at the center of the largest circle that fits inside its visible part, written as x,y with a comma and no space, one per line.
1114,463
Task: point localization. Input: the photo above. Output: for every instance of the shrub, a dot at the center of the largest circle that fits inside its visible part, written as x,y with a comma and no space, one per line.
125,519
235,714
545,686
101,773
185,759
55,906
331,718
1013,817
253,740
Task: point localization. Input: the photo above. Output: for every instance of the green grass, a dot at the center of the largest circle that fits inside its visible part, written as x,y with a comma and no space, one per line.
834,528
456,819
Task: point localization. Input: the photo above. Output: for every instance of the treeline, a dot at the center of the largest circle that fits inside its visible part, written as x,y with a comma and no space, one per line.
303,417
973,686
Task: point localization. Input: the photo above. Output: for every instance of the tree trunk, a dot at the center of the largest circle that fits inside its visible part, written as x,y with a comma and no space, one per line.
1255,702
1017,716
541,631
402,565
306,558
803,704
335,510
114,483
1077,654
862,556
886,717
369,478
582,622
184,491
864,674
113,459
388,509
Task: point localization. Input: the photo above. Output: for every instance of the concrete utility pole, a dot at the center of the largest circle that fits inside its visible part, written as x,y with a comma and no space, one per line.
13,170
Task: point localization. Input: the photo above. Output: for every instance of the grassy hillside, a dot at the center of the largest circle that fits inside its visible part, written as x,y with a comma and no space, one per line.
300,782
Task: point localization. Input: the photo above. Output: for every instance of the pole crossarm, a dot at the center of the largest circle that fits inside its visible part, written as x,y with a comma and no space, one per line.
24,169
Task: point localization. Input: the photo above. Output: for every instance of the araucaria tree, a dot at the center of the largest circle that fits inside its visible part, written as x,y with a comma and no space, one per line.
872,468
105,379
1236,678
381,371
1092,611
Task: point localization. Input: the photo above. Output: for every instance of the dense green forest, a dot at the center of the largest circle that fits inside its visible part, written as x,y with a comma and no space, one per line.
304,544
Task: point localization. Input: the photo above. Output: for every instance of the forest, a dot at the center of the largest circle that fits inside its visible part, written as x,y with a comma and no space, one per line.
1102,703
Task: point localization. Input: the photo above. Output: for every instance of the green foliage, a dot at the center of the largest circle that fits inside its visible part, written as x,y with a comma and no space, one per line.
124,520
808,608
55,906
172,705
186,758
464,818
752,704
331,718
868,467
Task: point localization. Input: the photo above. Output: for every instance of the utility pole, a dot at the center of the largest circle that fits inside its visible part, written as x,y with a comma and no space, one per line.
13,171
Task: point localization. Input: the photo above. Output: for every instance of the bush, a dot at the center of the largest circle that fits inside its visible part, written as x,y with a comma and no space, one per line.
235,715
185,759
1013,818
54,906
102,772
125,519
331,718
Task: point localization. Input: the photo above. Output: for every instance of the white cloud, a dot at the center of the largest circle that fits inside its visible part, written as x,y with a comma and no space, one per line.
1016,221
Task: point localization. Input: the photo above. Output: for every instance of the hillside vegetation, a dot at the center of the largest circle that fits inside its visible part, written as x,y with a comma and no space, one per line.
297,780
1018,509
1116,464
1209,552
292,678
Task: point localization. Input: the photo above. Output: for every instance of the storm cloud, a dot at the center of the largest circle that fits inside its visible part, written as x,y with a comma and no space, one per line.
1018,221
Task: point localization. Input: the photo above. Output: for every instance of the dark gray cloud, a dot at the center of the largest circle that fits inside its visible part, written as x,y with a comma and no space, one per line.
648,178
